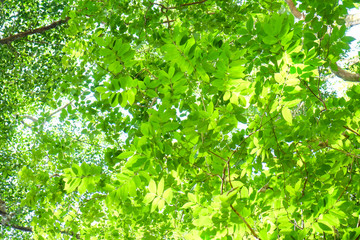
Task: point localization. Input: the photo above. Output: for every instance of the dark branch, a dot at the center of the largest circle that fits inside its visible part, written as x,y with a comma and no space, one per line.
217,156
319,98
29,229
21,228
187,4
179,6
351,130
12,38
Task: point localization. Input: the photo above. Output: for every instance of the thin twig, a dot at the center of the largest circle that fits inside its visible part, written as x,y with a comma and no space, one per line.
350,179
163,22
307,173
223,178
151,73
246,223
347,153
217,156
61,108
351,130
342,193
319,98
145,19
229,173
187,4
153,102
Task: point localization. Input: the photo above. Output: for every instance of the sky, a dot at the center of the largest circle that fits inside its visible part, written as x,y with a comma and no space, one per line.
355,30
336,84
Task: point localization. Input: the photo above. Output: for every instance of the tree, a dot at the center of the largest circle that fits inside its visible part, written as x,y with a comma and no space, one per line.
178,120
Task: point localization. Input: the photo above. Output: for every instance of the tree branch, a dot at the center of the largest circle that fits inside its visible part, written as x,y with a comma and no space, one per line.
294,10
29,229
351,130
318,97
217,156
181,5
187,4
60,108
246,223
339,72
34,119
345,75
21,228
12,38
352,20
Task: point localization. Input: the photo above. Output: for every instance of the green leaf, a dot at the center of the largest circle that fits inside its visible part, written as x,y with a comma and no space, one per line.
279,78
101,41
124,48
210,108
145,129
237,72
76,169
188,205
149,197
171,71
192,197
84,184
168,195
101,89
161,204
124,97
250,24
170,126
287,115
325,227
155,203
152,186
151,93
131,95
244,192
270,40
160,187
125,155
204,76
331,219
227,96
72,184
115,67
114,100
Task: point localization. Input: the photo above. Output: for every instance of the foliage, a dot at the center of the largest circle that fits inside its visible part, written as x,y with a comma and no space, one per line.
177,120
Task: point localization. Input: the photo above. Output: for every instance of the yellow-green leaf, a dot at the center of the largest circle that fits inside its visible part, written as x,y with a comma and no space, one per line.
168,195
160,187
155,204
149,197
152,186
287,115
161,204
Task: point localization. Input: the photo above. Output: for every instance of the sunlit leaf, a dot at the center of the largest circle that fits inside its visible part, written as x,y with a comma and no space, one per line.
152,186
287,114
149,197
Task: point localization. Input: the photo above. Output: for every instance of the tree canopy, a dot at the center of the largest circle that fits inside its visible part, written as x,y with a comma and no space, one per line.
178,119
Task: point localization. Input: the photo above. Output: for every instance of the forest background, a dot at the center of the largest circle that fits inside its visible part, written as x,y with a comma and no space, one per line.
124,119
